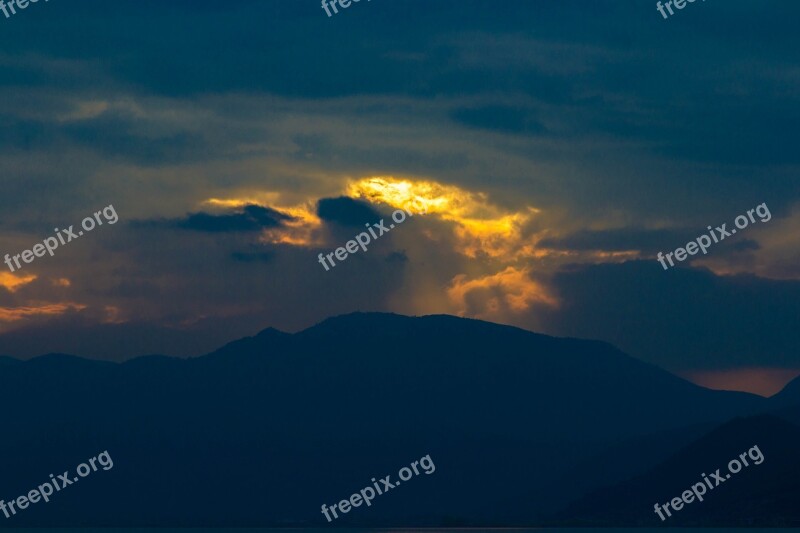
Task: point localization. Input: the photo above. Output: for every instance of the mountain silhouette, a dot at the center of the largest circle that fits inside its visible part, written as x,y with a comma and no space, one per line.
765,494
789,395
5,361
264,430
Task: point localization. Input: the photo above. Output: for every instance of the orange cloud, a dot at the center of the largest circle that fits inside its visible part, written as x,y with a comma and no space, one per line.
302,231
511,290
14,282
263,199
14,314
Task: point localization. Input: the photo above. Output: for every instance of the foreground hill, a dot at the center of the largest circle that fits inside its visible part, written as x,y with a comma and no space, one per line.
765,494
268,428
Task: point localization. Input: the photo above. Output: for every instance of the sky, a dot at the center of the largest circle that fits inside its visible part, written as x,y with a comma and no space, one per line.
548,151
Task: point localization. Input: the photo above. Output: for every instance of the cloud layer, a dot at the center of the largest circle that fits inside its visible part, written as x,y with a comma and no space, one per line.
555,149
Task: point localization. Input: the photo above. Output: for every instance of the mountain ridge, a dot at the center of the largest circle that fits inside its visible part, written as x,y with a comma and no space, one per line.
746,498
296,419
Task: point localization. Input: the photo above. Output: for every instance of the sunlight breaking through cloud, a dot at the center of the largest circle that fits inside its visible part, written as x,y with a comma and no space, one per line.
480,226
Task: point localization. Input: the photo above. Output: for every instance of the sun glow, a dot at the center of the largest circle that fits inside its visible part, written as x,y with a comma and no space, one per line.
481,227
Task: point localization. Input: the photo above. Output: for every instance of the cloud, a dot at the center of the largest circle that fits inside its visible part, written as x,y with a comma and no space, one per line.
606,130
254,218
496,295
13,282
481,227
346,211
770,251
647,241
253,256
746,245
20,313
681,319
504,119
397,257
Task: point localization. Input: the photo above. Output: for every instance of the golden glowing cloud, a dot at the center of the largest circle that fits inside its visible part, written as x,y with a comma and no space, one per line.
264,199
479,226
478,229
414,196
512,290
301,231
14,314
298,232
14,282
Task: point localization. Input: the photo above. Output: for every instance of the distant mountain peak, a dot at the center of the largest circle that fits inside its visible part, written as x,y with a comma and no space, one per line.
262,343
272,332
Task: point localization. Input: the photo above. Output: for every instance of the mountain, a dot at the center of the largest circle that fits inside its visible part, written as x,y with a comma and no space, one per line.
789,395
6,361
266,429
765,494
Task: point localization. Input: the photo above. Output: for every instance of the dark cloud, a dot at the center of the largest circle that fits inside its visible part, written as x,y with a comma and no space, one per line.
118,136
681,319
6,297
500,118
254,218
746,246
253,257
646,241
397,257
25,134
346,211
595,75
130,288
